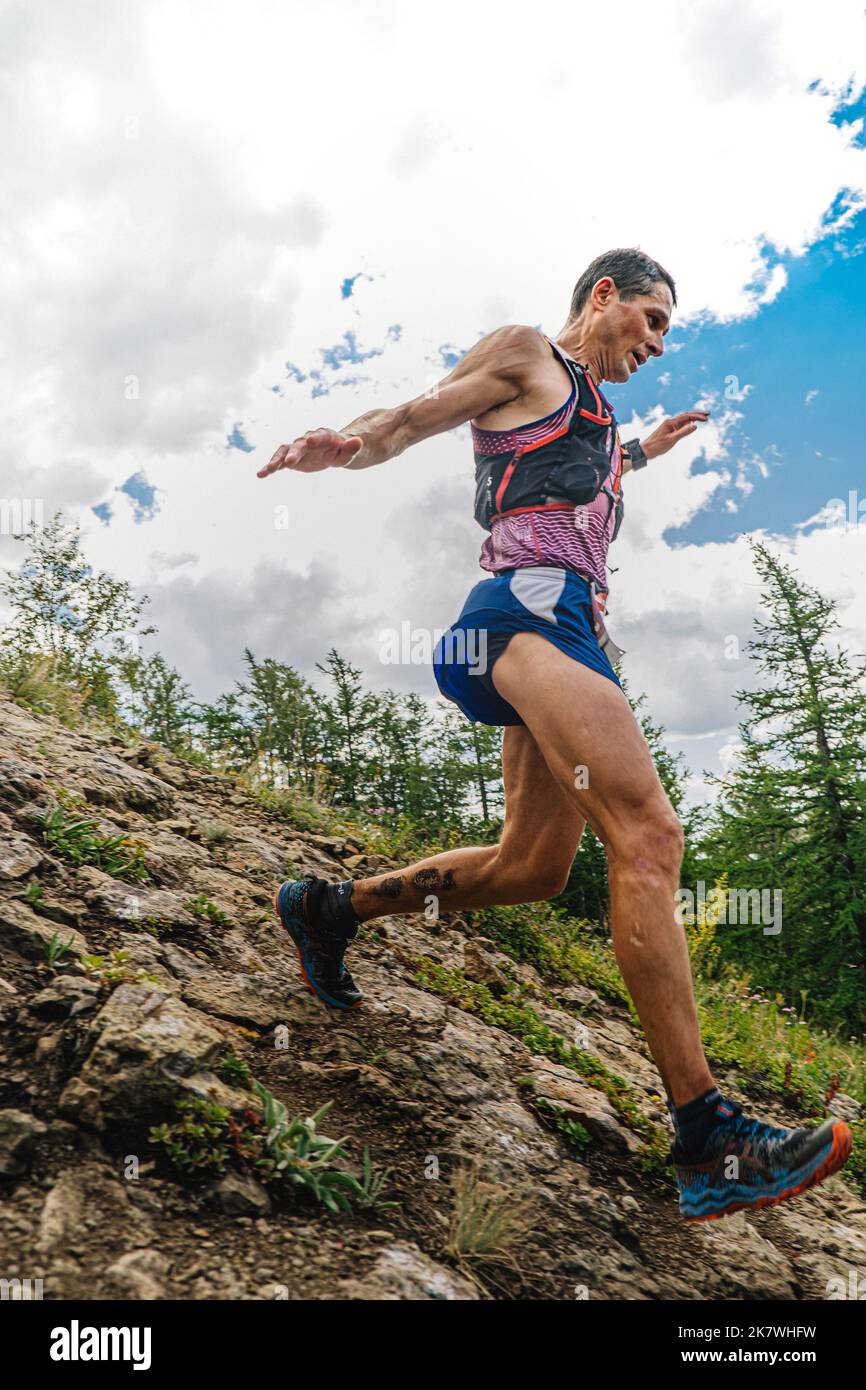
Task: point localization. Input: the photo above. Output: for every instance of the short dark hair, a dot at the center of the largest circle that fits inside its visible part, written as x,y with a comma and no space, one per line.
632,271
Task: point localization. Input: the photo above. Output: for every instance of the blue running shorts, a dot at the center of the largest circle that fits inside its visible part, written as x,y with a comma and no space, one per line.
556,603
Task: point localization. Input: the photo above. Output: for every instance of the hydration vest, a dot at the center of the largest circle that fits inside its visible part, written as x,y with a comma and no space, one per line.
560,471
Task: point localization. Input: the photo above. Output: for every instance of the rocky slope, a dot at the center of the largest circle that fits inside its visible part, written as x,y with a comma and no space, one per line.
89,1060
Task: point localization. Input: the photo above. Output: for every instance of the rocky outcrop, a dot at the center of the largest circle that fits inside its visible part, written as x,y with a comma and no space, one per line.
118,999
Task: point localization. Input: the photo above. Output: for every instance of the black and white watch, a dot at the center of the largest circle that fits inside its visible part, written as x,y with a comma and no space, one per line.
635,454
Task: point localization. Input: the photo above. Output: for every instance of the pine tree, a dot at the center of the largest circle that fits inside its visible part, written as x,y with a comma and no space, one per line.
282,723
790,814
348,719
159,701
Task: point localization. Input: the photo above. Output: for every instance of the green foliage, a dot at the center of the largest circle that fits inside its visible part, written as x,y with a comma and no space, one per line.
215,833
112,970
35,895
572,1131
207,1138
791,814
561,950
199,1143
55,950
206,911
68,626
372,1185
234,1070
157,701
296,1152
79,842
487,1220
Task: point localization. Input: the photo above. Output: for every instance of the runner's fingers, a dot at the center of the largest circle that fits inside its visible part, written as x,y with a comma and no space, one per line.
347,449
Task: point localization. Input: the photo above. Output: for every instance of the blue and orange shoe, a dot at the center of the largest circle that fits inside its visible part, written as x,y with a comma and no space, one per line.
320,952
746,1164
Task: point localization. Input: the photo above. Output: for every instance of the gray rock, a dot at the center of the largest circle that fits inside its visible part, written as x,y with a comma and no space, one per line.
148,1050
405,1272
576,1100
478,966
845,1108
246,999
17,856
578,996
29,934
19,1134
113,782
132,904
137,1275
240,1195
83,1199
67,996
19,781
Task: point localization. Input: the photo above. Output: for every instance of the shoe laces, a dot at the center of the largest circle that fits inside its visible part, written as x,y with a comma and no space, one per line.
765,1138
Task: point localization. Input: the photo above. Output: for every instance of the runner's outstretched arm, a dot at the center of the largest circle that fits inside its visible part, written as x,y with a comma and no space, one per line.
499,368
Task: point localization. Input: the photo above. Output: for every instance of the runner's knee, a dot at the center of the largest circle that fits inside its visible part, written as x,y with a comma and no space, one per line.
650,841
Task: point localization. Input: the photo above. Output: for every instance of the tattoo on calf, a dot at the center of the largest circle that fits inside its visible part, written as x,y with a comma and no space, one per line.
431,878
388,888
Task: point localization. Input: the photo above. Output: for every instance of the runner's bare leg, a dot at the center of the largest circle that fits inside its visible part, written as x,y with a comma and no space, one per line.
582,720
540,836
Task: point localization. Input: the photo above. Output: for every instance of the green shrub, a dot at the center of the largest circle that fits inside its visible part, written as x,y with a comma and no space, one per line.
206,911
79,842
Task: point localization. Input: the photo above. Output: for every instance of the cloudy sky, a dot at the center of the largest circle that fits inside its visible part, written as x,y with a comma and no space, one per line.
226,223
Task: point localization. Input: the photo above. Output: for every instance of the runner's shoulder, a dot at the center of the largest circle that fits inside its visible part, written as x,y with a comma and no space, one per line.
513,352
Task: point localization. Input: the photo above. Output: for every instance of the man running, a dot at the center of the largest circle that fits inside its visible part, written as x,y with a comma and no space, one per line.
549,468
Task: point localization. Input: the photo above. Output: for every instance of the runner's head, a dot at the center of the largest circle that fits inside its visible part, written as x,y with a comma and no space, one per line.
620,310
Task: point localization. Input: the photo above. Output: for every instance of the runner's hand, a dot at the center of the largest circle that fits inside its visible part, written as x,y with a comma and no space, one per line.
671,431
313,451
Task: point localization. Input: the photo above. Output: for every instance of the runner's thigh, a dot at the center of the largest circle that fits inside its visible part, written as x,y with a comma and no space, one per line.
585,728
543,824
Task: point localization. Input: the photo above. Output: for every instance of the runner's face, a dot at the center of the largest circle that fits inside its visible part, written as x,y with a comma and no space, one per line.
631,331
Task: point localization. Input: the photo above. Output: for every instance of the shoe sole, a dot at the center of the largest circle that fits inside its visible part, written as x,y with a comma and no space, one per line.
840,1152
329,1003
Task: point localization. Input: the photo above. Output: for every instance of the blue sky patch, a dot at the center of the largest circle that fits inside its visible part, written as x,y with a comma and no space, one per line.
347,351
347,288
794,374
143,497
238,440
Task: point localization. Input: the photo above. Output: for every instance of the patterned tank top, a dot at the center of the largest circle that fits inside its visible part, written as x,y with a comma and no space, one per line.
577,539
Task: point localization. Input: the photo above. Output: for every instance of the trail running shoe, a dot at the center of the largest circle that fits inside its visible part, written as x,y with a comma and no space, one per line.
746,1164
320,952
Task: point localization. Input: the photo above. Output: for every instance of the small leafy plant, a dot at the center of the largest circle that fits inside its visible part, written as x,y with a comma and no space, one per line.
573,1132
35,895
199,1141
486,1220
206,1138
79,842
206,911
372,1185
296,1152
55,950
234,1070
215,833
113,969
